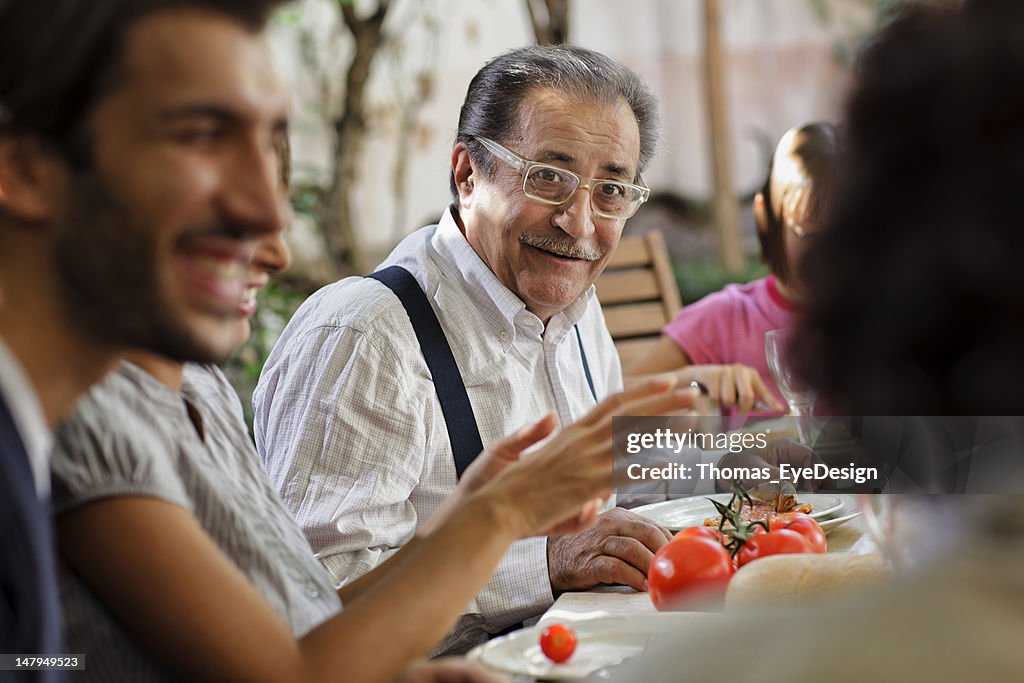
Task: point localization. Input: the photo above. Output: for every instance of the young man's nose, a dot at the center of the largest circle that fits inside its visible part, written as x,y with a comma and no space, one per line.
253,195
272,254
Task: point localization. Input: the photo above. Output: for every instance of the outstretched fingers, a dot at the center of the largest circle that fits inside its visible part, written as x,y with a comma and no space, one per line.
512,446
650,398
658,385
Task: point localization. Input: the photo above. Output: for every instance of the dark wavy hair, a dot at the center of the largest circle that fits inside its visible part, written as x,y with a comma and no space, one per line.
58,58
916,290
492,105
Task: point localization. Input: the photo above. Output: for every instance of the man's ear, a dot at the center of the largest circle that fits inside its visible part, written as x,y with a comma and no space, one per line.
28,177
760,218
464,173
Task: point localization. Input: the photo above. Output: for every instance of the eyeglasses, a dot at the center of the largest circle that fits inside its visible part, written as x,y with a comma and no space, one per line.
554,185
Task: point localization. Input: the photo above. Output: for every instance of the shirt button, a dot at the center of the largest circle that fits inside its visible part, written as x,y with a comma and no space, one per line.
504,335
312,591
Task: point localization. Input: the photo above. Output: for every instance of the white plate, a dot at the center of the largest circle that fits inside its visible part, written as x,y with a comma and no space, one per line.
601,643
693,510
832,523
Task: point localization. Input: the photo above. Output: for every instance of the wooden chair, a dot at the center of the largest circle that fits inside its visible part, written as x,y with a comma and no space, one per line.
638,293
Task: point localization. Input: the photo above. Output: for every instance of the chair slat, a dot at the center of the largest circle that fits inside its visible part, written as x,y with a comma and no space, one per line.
629,320
634,284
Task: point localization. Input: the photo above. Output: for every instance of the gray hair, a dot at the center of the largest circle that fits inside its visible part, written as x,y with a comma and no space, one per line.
496,93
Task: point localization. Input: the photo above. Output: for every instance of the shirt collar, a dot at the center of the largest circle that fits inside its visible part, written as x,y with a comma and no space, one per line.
457,256
27,413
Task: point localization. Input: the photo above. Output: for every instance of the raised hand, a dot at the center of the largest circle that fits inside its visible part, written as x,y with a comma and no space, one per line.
555,488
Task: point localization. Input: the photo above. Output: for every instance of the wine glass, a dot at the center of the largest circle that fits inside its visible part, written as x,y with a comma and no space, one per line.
799,396
909,529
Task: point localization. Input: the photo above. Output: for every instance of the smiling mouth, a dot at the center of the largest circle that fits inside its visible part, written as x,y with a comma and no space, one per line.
560,248
216,269
249,295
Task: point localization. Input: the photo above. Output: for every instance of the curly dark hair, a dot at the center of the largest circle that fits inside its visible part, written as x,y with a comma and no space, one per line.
916,290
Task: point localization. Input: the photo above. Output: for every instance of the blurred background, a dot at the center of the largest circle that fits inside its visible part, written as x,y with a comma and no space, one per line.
377,86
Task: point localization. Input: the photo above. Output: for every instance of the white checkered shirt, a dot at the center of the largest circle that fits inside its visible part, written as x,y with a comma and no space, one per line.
351,432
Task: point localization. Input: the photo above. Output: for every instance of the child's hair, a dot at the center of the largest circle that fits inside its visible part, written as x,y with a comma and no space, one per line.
799,183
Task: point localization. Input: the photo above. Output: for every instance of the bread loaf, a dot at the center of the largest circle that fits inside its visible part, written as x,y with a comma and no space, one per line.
799,578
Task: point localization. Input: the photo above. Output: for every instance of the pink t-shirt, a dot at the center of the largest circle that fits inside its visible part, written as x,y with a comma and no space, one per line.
729,327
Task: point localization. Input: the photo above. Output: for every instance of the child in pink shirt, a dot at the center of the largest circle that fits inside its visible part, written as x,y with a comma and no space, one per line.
719,340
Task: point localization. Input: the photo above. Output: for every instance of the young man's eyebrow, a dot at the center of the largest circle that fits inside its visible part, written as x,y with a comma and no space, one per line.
201,110
221,113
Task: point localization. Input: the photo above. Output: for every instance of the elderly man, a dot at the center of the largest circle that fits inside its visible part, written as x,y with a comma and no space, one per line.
373,401
132,194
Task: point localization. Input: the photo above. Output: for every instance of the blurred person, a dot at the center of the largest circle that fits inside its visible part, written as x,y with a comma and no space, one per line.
364,440
719,340
936,328
929,209
182,563
126,219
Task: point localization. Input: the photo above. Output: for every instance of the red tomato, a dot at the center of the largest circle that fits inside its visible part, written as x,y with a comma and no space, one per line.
780,542
558,642
688,567
806,527
704,531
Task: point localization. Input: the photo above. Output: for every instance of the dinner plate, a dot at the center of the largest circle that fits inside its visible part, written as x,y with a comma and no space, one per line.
832,523
693,510
601,643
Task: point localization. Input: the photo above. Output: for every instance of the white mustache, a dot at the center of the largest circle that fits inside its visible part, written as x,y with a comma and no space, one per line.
567,248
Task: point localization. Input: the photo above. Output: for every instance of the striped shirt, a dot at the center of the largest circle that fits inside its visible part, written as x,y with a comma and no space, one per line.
349,427
132,436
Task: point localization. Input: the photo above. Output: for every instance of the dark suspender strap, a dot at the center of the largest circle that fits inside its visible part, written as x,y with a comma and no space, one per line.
451,392
586,366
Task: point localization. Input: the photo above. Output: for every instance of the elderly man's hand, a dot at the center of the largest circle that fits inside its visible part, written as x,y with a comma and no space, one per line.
771,456
617,549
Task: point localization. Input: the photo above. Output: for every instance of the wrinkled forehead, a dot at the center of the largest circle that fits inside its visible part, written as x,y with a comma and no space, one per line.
555,126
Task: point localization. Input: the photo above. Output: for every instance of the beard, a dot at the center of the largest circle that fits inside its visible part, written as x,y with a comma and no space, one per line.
109,282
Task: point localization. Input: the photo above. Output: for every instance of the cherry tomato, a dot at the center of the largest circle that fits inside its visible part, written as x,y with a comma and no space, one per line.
558,642
688,567
806,527
780,542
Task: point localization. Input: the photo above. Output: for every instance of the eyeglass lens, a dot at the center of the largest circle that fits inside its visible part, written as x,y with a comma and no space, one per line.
554,185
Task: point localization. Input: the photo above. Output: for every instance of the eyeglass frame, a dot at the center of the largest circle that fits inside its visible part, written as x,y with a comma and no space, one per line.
524,166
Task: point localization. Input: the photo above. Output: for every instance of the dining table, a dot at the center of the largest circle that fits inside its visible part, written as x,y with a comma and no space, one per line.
604,613
611,601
